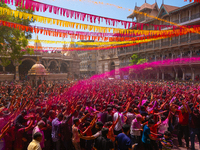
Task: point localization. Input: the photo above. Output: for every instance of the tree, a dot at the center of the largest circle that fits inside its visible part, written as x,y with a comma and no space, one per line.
13,41
135,60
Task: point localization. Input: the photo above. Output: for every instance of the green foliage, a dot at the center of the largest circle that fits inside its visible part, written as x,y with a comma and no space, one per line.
13,41
135,59
142,61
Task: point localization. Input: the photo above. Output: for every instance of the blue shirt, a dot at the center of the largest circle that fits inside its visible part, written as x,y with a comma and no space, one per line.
145,135
55,130
124,142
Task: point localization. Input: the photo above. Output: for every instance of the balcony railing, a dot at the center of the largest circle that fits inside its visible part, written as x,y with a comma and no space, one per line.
149,46
141,19
122,52
176,21
165,43
194,16
184,19
141,47
157,45
175,41
129,50
185,39
195,37
124,64
135,49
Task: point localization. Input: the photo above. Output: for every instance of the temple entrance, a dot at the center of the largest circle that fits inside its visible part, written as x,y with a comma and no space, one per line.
112,69
1,68
112,66
53,67
63,68
24,68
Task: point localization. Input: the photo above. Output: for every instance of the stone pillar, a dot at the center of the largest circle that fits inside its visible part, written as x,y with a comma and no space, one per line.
176,75
117,67
183,76
4,69
181,54
176,72
183,70
190,14
157,75
163,76
106,67
193,73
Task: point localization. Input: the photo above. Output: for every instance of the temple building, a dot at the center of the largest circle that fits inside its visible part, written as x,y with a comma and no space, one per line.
176,47
59,65
89,61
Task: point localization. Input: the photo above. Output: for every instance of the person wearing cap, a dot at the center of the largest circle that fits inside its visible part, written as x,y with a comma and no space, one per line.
136,129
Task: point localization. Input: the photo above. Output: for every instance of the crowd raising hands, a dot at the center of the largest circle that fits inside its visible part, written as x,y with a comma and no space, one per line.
99,114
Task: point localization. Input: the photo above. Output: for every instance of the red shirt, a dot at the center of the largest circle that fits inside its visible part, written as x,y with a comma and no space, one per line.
154,129
183,117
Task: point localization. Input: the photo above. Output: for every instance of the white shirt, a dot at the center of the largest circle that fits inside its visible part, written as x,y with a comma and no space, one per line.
135,126
75,137
97,134
37,129
163,126
34,145
130,117
120,123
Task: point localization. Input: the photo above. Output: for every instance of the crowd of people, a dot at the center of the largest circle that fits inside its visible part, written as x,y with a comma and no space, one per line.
99,114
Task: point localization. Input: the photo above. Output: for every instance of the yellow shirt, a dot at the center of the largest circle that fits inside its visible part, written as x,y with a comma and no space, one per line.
34,145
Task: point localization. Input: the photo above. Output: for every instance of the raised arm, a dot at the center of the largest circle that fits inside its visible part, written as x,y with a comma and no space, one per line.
29,126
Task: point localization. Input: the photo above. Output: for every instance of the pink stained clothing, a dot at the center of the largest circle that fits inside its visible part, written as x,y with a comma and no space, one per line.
75,137
37,129
19,143
163,126
90,109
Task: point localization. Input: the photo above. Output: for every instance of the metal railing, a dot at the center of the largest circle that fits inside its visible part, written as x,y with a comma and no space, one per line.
175,41
122,52
135,48
130,49
185,39
165,43
157,45
124,64
184,19
149,46
194,16
176,21
141,47
195,37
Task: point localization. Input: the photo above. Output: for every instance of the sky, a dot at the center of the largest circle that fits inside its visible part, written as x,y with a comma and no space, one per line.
87,7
